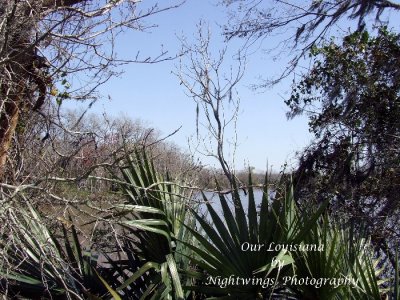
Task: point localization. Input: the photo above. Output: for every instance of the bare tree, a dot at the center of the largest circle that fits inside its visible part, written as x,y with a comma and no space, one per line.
44,43
211,85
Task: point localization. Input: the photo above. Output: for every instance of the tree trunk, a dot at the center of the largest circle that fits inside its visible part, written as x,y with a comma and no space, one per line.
17,45
9,116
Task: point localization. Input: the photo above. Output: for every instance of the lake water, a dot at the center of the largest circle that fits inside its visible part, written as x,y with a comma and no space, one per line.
213,198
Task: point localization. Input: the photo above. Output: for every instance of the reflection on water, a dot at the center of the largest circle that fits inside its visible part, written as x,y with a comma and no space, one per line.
213,198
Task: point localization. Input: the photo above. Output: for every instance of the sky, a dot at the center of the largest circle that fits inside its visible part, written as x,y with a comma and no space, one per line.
152,93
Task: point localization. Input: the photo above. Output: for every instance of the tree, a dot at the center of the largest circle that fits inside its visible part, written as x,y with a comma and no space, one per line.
355,155
45,43
211,84
352,98
82,157
304,23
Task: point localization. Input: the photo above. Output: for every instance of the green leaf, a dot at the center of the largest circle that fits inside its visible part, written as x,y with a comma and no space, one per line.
147,266
175,277
108,287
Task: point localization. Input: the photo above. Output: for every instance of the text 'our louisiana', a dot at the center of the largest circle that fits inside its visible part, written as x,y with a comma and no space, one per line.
274,247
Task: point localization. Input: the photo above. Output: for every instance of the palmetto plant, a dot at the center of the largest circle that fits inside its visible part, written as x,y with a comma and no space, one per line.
35,264
153,219
167,249
347,258
224,251
185,253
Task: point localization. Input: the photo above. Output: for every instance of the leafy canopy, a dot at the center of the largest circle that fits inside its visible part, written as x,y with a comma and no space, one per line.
351,96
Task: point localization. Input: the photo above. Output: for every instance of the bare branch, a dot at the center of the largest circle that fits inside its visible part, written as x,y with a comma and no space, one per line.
212,89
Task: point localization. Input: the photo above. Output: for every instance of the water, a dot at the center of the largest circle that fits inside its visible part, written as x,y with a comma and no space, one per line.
213,198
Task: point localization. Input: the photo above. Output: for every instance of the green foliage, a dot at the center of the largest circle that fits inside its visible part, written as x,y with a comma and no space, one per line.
36,264
352,98
221,252
346,256
167,249
153,216
332,253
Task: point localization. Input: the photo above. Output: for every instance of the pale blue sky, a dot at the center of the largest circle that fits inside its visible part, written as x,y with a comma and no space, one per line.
153,94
